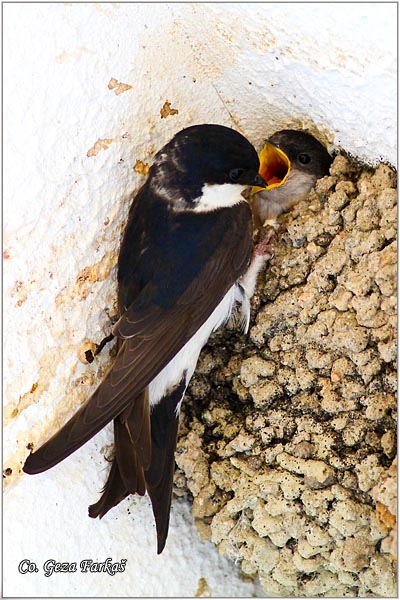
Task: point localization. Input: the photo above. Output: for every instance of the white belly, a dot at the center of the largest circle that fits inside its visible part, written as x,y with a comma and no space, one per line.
187,357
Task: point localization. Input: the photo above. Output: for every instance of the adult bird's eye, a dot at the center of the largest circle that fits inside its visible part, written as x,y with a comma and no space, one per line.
304,159
235,174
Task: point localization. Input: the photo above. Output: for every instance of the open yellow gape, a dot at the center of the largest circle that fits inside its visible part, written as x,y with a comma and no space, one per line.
274,167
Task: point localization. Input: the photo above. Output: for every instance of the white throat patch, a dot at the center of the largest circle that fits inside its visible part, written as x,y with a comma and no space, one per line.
214,196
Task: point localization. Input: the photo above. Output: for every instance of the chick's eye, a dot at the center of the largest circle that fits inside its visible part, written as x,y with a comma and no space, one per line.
304,159
234,174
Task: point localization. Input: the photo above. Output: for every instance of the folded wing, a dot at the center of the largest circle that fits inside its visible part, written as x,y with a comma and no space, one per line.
152,334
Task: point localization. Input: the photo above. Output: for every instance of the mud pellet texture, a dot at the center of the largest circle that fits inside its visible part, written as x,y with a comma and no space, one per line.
288,436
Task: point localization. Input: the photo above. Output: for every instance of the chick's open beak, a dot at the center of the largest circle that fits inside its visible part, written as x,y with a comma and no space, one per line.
274,167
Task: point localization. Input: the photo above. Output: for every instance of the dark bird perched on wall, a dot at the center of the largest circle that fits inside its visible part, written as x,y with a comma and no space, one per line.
291,161
184,264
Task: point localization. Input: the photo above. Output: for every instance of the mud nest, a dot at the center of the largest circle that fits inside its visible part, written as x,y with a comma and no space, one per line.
288,435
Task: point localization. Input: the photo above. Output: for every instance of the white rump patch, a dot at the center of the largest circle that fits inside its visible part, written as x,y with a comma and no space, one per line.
186,358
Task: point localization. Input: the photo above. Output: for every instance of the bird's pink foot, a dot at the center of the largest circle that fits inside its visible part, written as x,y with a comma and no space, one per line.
264,247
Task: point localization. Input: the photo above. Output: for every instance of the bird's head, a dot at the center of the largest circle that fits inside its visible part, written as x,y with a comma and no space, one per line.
289,150
206,156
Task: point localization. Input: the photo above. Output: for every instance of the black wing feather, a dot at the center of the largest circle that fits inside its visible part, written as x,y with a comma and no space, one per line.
159,477
158,323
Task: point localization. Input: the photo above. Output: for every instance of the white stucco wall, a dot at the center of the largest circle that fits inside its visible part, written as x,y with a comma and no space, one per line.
70,144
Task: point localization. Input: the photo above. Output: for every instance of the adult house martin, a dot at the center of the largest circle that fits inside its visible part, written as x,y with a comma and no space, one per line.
185,263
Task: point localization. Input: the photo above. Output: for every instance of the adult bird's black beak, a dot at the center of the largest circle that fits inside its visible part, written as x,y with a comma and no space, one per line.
259,181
